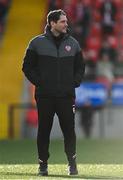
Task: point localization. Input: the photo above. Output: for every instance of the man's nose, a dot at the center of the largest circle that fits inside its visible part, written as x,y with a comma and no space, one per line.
66,24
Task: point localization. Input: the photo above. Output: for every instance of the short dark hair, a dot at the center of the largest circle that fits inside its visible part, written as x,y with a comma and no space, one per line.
55,15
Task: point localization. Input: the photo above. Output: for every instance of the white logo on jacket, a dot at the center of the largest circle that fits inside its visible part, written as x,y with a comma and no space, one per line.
68,48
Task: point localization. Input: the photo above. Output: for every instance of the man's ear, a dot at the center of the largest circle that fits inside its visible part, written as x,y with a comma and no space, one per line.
52,23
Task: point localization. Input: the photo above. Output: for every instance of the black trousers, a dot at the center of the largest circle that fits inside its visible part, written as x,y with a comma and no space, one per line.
64,108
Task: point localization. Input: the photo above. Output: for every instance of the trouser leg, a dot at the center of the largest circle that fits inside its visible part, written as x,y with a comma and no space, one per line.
46,112
65,112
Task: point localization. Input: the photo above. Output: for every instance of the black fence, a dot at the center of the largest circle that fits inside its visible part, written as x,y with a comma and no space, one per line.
26,106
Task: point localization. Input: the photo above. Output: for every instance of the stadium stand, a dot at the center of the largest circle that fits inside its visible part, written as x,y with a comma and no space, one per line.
101,20
26,19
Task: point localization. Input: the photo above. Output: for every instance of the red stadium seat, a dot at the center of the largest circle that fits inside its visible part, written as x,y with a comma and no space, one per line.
96,15
118,16
121,41
117,28
93,43
87,2
95,29
118,3
97,3
113,41
92,55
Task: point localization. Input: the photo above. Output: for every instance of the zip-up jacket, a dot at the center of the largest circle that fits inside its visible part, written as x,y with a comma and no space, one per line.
55,71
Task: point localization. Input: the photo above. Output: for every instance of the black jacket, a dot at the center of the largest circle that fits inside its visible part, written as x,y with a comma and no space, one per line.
54,71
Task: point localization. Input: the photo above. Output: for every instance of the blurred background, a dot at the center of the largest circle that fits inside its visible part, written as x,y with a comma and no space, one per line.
98,26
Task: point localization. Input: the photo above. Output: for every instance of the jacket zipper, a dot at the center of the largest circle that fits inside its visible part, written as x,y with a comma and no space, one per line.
58,70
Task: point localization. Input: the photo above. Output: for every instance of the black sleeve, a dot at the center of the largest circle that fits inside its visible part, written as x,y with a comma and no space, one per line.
30,67
79,68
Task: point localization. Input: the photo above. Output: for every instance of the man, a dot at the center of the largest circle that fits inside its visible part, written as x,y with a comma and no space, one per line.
54,64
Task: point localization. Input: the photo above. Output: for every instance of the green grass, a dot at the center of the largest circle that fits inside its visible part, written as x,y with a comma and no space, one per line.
97,159
59,171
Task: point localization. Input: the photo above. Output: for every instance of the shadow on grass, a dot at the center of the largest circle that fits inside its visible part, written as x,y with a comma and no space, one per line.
85,177
62,176
17,174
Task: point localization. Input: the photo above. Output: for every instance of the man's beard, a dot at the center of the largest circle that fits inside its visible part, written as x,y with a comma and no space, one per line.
61,32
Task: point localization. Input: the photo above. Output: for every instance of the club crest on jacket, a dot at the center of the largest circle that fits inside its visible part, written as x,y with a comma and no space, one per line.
67,48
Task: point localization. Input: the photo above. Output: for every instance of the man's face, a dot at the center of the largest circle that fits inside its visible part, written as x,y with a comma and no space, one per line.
61,25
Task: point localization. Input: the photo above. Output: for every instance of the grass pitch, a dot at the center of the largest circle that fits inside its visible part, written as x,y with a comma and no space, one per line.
97,159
